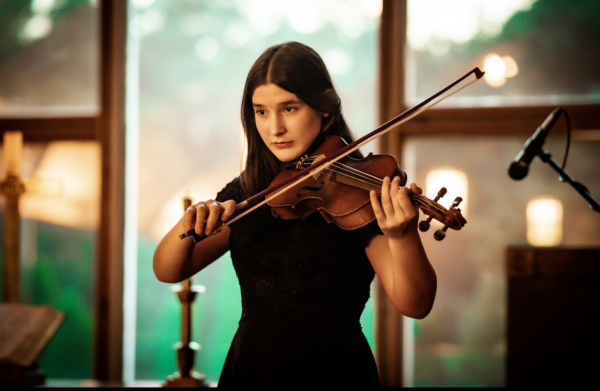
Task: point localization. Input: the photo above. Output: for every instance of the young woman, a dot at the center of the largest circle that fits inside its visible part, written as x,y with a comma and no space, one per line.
304,283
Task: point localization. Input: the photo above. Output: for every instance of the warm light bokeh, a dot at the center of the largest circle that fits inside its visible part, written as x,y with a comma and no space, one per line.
511,66
13,153
455,181
77,165
544,222
498,69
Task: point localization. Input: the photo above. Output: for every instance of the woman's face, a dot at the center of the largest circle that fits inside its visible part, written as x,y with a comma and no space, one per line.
287,125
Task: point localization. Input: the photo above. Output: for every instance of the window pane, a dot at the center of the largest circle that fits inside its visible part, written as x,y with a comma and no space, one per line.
194,58
533,52
463,340
48,58
57,247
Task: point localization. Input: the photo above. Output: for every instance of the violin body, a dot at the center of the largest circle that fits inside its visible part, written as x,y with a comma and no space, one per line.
340,193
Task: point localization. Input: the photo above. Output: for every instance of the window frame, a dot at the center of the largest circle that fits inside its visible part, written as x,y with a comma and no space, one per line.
108,129
390,340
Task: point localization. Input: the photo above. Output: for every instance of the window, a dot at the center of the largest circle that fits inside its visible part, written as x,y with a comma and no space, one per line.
534,52
49,57
49,90
193,61
479,132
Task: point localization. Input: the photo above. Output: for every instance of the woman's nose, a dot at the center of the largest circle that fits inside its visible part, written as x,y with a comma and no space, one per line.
277,125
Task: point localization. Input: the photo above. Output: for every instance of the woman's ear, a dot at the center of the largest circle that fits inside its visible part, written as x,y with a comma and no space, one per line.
329,92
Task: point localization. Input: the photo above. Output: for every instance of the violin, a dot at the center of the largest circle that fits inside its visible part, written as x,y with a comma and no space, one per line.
340,193
337,185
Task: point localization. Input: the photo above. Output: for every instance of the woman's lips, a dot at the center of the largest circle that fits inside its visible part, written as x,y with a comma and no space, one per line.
284,144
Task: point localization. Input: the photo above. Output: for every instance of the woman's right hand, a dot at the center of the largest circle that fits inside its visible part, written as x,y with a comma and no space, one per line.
204,216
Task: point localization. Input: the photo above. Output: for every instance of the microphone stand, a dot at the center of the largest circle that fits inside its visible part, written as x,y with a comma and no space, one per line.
564,177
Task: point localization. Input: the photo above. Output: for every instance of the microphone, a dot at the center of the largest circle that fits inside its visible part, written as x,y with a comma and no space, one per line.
519,168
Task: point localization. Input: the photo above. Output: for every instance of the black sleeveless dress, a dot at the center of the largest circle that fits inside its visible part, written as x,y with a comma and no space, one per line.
304,286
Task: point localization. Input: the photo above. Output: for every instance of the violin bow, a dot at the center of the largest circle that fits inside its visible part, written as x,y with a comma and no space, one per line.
261,198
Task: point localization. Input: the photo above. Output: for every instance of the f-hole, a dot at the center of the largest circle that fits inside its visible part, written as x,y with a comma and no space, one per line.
310,189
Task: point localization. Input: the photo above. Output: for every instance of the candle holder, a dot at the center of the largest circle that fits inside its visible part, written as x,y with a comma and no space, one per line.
186,349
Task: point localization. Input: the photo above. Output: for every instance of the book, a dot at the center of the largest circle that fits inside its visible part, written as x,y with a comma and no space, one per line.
25,330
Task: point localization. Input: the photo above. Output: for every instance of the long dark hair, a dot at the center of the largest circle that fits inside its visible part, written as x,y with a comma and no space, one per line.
300,70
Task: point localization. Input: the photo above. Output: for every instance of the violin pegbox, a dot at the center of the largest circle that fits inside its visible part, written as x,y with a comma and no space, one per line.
424,225
451,218
440,234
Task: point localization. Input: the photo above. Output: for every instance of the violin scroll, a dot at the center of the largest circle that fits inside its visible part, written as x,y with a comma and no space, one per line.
451,218
424,225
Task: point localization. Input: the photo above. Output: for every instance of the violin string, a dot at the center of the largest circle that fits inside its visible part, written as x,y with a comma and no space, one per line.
355,174
418,198
358,175
368,178
373,181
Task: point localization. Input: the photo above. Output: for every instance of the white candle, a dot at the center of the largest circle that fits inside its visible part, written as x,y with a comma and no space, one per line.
13,153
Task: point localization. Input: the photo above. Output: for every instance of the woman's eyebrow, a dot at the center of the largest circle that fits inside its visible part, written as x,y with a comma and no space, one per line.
288,102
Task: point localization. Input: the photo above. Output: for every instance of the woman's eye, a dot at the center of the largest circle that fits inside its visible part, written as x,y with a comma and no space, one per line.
260,112
289,109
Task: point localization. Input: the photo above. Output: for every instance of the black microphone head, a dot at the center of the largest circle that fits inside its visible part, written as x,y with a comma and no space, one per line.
518,170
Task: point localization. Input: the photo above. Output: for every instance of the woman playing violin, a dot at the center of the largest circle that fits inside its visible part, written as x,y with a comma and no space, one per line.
304,283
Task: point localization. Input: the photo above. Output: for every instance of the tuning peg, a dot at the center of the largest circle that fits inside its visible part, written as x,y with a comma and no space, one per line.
440,234
440,194
424,225
456,202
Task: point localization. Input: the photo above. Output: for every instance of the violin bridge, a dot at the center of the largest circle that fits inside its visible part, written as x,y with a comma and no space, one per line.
316,173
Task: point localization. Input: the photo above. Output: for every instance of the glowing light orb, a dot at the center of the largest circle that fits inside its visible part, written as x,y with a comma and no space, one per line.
544,222
511,66
372,8
455,181
36,28
77,165
495,70
42,6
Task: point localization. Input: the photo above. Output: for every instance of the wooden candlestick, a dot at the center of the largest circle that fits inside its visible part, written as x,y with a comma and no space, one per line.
186,349
12,188
25,329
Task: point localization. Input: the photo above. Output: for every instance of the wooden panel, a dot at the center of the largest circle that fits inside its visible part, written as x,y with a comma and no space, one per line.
49,129
108,321
388,321
499,120
553,322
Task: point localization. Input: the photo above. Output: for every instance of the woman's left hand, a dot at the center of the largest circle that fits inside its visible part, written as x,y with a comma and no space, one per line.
396,215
